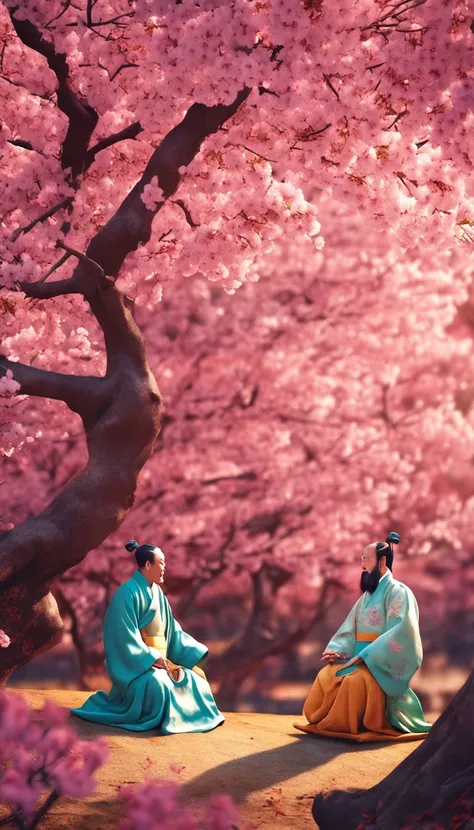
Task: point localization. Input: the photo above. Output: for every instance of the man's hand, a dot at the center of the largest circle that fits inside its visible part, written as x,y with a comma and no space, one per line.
175,672
331,656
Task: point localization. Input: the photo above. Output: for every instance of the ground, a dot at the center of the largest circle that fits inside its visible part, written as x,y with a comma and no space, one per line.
270,768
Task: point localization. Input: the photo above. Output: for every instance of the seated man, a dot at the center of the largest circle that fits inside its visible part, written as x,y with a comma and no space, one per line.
368,698
155,667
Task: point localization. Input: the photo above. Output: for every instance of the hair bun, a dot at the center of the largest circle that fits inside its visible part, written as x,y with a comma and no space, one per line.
131,546
393,538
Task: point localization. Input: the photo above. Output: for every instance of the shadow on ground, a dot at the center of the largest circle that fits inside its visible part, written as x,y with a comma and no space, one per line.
270,769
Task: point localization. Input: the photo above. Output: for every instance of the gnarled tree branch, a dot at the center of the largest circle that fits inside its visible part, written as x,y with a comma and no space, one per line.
40,291
82,117
254,646
131,224
50,212
129,132
124,416
79,393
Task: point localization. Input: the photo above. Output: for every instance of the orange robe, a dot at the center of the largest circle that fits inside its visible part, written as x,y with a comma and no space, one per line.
350,707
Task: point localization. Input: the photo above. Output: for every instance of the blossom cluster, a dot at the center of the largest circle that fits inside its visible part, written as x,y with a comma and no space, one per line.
155,806
41,756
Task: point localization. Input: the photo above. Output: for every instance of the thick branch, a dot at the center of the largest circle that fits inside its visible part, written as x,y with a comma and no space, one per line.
128,132
246,655
79,393
25,145
42,291
131,224
82,118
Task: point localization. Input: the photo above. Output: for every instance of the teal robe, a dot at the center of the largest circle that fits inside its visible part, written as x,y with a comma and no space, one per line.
394,657
143,697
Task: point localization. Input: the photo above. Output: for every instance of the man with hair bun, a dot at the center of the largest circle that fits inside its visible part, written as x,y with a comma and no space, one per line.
362,693
155,667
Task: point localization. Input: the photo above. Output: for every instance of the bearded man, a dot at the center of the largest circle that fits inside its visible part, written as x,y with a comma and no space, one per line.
368,698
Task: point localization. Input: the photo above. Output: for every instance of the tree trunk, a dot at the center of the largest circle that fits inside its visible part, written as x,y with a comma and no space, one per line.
121,415
432,788
258,641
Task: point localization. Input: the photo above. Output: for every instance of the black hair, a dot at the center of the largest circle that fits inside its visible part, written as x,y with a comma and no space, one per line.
386,548
143,553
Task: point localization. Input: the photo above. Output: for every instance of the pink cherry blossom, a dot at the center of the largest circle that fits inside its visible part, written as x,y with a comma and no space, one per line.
44,756
177,768
4,639
154,806
221,813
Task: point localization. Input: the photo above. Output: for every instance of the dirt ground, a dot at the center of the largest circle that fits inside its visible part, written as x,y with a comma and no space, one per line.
271,769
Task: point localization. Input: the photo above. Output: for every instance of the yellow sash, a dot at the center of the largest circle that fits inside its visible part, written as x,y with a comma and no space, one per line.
366,636
155,642
162,646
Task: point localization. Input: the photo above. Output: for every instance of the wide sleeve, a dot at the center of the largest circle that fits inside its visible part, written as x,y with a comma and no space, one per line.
127,656
183,649
396,655
344,640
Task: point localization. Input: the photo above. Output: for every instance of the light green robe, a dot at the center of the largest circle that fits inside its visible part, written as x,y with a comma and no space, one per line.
143,697
394,657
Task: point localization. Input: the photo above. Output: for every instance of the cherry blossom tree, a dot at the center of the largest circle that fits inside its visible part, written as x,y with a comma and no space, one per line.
112,108
268,480
143,140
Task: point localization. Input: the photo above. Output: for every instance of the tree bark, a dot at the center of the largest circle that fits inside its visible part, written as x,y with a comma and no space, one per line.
432,788
121,412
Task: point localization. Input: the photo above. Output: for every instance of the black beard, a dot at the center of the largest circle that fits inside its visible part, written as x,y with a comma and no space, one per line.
369,581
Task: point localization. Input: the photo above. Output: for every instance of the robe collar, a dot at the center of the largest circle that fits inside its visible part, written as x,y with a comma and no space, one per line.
383,582
141,580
